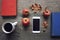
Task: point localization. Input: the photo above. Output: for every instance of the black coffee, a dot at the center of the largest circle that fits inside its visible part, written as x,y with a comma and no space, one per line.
8,27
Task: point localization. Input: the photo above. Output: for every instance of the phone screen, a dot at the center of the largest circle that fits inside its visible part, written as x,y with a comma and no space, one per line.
36,24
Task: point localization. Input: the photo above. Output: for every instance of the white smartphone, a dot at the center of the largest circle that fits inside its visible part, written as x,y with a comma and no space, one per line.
36,25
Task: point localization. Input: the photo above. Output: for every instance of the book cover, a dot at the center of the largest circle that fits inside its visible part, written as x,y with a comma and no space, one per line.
8,8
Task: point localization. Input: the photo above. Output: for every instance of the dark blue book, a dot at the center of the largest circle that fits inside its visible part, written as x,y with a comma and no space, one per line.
55,24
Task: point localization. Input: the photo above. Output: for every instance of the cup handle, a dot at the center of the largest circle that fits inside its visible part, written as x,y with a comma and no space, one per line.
14,23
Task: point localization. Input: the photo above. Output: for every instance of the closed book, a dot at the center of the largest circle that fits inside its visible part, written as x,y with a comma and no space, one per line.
55,24
8,8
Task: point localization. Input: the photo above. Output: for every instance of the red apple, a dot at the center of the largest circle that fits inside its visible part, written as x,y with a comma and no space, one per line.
25,21
25,12
46,13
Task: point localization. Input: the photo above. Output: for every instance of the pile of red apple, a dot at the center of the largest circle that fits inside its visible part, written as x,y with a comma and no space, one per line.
25,21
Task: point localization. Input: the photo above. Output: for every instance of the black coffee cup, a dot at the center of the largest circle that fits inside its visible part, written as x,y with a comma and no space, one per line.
8,27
